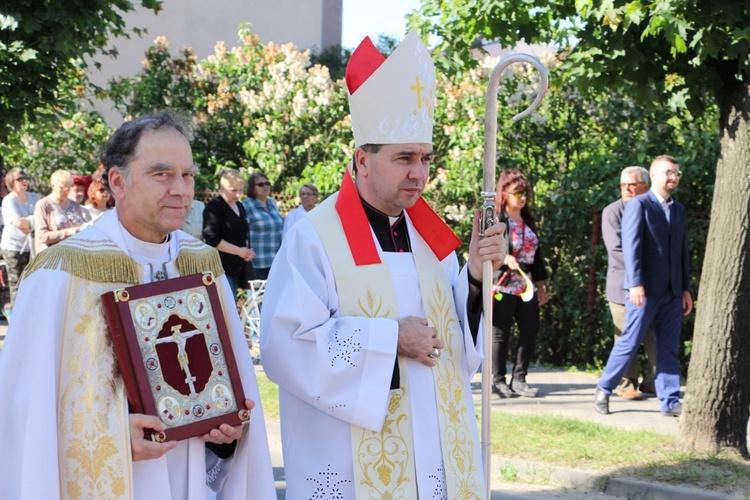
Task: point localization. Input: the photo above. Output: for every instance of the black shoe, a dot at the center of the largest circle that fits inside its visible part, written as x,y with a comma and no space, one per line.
648,389
601,402
502,390
675,411
521,388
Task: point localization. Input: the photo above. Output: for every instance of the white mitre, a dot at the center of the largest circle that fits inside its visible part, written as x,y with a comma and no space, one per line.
392,101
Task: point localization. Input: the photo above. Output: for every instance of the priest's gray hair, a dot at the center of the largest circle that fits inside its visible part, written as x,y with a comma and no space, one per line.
121,146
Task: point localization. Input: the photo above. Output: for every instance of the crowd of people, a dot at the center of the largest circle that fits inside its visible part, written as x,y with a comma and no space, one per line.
369,327
31,224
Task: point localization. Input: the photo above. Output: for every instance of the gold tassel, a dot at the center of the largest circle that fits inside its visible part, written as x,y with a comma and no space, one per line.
194,259
102,266
104,262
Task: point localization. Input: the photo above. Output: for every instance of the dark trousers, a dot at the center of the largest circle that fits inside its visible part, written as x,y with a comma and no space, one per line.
15,263
526,315
234,284
261,273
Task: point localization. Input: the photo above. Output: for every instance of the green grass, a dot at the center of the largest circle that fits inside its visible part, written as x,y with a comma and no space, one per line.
565,441
269,394
577,444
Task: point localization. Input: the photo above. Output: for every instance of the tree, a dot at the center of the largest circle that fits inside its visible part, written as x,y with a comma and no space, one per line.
42,44
689,53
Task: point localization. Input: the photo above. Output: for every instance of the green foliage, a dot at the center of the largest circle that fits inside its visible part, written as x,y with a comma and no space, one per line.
42,44
681,51
334,58
65,136
572,151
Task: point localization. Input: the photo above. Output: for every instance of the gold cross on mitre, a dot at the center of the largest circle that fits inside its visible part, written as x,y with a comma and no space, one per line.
418,88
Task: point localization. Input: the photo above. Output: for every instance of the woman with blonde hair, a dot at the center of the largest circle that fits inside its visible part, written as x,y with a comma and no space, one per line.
56,217
225,227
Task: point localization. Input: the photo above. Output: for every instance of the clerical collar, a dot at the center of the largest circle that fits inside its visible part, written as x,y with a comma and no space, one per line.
153,255
145,249
391,232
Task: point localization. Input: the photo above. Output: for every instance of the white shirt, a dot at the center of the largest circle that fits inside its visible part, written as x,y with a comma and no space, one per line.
665,204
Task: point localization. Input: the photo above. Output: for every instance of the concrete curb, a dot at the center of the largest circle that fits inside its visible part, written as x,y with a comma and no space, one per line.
633,488
535,472
601,482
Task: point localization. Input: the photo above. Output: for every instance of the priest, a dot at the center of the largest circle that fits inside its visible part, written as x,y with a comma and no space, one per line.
368,326
66,428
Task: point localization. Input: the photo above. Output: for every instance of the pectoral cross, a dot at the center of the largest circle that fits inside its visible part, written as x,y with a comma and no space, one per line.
180,339
418,88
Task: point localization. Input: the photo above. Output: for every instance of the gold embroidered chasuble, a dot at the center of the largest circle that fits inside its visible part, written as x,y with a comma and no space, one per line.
92,411
384,461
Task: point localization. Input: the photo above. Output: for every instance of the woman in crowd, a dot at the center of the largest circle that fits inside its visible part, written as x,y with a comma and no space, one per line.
57,217
308,195
265,223
225,227
77,192
17,241
97,202
524,253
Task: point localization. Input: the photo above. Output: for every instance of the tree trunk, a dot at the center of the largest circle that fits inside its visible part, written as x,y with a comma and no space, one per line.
717,404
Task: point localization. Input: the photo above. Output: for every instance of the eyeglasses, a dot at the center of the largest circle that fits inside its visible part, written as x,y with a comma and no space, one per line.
262,184
518,195
308,194
22,179
673,173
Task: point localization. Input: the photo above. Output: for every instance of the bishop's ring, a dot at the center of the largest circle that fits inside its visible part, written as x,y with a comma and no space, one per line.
435,354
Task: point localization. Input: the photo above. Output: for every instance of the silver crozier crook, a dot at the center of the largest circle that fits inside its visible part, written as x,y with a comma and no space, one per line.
487,219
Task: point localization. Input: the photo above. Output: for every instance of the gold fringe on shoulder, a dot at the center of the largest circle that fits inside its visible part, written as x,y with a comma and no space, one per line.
193,259
104,265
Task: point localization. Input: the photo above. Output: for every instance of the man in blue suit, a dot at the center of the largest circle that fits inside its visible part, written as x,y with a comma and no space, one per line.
657,275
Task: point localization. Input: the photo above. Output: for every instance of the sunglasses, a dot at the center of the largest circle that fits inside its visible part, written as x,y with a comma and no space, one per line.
262,184
518,195
22,179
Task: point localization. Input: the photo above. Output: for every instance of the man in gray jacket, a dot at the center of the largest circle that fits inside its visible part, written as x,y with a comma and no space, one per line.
633,181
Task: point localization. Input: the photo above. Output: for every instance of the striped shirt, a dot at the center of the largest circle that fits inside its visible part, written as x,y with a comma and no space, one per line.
265,230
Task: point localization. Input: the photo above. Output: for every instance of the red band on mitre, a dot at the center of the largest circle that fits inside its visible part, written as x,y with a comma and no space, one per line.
428,224
365,60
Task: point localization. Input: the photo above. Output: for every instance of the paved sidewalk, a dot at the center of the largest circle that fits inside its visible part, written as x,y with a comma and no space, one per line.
571,394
